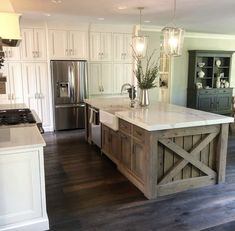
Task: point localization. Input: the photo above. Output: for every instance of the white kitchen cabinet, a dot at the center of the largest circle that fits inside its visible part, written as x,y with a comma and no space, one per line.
100,79
12,53
100,46
65,44
4,98
33,44
122,47
36,90
14,86
22,201
19,173
122,74
15,83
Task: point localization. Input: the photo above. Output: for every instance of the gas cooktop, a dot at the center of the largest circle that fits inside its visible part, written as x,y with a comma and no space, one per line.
16,116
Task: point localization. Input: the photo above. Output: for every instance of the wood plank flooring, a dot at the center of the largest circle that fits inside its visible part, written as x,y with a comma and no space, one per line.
86,192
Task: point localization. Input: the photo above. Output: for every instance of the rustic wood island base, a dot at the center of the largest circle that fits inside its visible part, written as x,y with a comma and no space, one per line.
166,159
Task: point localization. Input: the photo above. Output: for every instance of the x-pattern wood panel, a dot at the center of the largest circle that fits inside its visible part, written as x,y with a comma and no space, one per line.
187,157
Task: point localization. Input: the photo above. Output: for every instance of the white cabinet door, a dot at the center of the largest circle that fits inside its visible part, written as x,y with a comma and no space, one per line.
29,85
42,94
122,47
78,44
36,90
12,53
107,78
95,49
15,82
128,72
5,98
118,77
33,44
122,74
94,81
118,47
40,44
20,190
100,46
127,47
106,46
58,44
27,44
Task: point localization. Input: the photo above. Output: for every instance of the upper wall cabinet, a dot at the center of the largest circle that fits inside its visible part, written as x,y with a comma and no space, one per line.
100,46
33,44
67,44
12,53
122,47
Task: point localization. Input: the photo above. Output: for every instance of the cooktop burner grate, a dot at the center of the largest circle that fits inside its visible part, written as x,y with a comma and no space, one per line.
13,117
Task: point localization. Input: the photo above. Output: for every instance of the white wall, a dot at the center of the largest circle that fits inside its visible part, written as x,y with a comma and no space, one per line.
179,67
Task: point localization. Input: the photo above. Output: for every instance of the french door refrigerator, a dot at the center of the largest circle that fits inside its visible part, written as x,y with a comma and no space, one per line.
69,87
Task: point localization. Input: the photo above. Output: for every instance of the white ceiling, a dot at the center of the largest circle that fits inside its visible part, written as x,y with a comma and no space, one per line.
211,16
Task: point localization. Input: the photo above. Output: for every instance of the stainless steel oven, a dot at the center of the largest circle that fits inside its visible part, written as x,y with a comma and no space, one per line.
94,121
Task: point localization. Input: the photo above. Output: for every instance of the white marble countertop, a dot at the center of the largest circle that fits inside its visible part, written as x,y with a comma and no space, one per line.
20,137
12,106
101,103
160,116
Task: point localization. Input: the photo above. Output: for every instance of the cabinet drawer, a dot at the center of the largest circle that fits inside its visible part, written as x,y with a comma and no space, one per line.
207,91
225,91
139,133
124,126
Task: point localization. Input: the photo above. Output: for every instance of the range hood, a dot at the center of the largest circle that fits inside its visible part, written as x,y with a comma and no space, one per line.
9,29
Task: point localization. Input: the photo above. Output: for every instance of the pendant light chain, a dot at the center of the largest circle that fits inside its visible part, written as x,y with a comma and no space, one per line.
174,13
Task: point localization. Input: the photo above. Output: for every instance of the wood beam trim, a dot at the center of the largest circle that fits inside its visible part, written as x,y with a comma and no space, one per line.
221,155
181,185
187,131
187,157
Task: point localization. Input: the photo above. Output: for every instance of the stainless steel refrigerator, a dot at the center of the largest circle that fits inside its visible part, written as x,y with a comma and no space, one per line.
69,87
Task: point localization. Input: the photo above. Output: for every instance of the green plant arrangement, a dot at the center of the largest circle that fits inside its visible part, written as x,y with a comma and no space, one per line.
146,77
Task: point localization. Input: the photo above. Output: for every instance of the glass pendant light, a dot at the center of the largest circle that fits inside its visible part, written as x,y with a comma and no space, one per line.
173,38
139,42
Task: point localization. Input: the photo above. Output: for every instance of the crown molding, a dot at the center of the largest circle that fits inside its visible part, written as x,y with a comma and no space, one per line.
191,34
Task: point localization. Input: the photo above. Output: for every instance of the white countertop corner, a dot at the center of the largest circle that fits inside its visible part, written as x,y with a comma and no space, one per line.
14,138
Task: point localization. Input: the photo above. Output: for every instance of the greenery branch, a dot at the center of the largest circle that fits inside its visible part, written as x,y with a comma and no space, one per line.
146,78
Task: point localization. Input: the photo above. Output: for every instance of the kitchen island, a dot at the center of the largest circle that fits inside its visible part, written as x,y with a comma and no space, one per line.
163,148
22,200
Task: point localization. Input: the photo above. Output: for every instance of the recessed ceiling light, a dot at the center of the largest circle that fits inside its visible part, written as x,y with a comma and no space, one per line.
147,21
101,19
122,7
48,15
56,1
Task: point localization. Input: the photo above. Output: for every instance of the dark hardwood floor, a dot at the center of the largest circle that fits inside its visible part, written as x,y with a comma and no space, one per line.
86,192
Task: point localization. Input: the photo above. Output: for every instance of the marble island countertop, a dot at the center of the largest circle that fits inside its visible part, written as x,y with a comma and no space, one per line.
12,137
160,116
